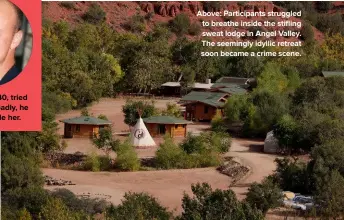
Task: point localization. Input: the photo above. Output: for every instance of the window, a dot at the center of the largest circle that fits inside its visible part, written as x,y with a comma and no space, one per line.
176,126
183,126
77,128
206,109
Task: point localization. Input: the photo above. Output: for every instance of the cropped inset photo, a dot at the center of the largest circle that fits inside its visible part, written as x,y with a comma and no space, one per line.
15,41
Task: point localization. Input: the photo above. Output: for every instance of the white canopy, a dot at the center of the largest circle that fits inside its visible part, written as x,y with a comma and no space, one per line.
271,143
140,136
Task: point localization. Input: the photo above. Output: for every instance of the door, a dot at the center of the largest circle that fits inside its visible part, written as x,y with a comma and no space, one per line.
161,129
68,131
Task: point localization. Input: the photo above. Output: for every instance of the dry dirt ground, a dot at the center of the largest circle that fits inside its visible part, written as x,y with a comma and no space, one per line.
167,186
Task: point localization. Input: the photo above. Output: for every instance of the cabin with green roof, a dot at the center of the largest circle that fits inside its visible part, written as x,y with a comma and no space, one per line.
83,126
332,73
203,106
161,125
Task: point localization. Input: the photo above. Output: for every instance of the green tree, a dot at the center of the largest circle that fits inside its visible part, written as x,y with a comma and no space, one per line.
172,109
215,204
295,176
127,158
170,155
105,141
272,79
94,14
285,131
138,206
328,156
264,196
329,196
180,24
56,210
265,109
235,107
218,123
131,108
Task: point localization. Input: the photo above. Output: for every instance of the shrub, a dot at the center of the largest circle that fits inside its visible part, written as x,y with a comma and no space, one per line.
57,210
216,204
206,159
172,109
217,123
87,205
127,159
138,206
221,141
206,142
68,5
294,176
264,195
195,29
285,131
94,14
180,24
193,144
307,33
169,155
92,162
149,15
105,163
135,24
196,151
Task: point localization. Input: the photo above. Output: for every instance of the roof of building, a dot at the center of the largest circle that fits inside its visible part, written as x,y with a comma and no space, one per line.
165,120
232,81
202,85
86,120
171,84
195,85
332,73
233,89
209,98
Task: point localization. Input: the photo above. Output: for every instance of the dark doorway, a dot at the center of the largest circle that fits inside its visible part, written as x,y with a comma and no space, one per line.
162,129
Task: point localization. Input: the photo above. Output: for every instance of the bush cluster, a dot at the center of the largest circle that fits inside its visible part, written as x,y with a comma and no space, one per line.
95,163
194,152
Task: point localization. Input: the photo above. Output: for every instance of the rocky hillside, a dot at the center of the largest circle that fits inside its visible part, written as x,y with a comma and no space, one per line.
119,13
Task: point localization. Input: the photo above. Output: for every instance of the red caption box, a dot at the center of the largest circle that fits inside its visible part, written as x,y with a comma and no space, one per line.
20,96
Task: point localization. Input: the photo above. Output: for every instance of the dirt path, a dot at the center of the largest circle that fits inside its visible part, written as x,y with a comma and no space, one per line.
249,153
167,186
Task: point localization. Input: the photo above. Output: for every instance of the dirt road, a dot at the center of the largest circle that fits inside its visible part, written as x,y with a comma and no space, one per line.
167,186
249,153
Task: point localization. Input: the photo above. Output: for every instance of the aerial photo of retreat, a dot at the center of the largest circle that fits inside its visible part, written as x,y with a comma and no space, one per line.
137,125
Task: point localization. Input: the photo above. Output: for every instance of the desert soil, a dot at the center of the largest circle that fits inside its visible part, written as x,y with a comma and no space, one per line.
167,186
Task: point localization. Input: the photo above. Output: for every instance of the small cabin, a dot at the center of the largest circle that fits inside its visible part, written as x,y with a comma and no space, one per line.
203,106
161,125
83,126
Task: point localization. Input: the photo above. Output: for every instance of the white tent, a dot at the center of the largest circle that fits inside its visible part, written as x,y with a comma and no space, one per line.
271,143
140,136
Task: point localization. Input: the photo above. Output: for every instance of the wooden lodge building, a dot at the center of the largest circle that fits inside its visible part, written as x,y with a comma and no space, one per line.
161,125
83,126
203,106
